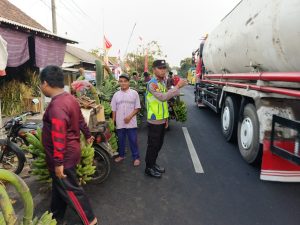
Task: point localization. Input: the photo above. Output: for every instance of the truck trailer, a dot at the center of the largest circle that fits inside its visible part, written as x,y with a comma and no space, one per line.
249,72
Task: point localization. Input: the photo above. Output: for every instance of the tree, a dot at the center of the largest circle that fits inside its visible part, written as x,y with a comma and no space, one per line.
135,61
185,65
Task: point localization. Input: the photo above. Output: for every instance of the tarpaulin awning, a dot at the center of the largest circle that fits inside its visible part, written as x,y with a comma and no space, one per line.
17,46
49,52
3,56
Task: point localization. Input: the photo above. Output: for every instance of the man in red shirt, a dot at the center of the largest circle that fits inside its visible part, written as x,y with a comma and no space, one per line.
62,123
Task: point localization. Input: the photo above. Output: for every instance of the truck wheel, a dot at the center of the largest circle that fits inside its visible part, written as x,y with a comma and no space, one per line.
229,118
248,135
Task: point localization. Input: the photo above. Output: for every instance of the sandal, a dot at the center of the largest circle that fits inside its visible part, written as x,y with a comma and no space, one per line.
136,162
119,159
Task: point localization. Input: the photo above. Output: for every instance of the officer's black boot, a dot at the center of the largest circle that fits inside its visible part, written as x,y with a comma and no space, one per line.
159,168
152,172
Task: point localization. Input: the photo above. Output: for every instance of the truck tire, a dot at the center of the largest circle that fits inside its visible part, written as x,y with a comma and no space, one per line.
229,118
248,135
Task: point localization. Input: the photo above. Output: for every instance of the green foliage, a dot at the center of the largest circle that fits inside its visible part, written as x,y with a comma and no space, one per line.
185,65
136,60
99,74
180,111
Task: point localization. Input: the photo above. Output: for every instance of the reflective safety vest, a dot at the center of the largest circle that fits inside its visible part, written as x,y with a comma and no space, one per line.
156,109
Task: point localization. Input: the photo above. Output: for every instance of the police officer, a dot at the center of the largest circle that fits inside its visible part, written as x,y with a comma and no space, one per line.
157,115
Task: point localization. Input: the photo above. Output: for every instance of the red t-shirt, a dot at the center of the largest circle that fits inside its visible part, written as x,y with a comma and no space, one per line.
62,123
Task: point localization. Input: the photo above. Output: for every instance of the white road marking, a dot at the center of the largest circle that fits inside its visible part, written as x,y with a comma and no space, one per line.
197,164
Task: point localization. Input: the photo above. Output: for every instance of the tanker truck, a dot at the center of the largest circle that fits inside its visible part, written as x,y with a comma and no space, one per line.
249,72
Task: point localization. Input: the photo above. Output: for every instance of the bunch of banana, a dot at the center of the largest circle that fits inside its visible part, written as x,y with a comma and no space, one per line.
85,169
39,167
108,88
111,125
180,111
113,141
2,221
107,108
46,219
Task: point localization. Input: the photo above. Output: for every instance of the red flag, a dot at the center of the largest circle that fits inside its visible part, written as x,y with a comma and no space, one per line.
107,43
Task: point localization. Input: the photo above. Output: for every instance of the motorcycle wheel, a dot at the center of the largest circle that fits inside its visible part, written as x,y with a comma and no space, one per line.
103,165
11,159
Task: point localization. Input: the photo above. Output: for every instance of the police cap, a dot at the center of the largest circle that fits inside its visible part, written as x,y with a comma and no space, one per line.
161,63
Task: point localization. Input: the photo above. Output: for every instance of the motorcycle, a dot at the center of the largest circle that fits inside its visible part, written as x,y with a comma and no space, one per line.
12,156
18,135
103,153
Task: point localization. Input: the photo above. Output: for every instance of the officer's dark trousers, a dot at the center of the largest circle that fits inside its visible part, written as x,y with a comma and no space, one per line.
67,191
156,135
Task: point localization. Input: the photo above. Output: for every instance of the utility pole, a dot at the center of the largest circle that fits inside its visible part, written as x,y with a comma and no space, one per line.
54,26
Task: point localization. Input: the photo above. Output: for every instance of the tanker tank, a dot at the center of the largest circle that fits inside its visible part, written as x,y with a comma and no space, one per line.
256,33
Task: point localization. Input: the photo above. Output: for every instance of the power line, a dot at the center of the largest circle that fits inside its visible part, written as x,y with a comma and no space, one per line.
84,15
78,7
49,7
68,8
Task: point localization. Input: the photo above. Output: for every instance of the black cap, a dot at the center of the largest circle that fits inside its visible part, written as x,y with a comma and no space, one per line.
170,73
159,63
124,75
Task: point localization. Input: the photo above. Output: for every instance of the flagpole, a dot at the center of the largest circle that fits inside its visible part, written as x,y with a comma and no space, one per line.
129,39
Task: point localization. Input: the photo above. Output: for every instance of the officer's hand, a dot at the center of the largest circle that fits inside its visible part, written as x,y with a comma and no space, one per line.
59,172
181,83
90,140
127,119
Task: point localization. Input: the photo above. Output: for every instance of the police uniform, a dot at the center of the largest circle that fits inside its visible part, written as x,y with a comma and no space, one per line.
157,96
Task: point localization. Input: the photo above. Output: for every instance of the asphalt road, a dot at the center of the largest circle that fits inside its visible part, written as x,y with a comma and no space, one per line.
229,192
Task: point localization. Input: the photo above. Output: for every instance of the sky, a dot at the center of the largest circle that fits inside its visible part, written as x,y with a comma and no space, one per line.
177,25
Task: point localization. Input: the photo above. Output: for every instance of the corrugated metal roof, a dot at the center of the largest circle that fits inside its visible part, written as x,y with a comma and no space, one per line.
12,16
29,29
81,54
11,12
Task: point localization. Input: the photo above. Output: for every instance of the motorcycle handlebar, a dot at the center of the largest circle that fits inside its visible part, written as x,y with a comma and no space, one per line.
20,117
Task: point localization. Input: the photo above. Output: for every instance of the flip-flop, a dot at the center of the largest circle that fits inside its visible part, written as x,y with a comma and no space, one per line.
136,162
119,159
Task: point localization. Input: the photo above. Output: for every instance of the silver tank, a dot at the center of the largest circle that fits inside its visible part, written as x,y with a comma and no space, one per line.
262,33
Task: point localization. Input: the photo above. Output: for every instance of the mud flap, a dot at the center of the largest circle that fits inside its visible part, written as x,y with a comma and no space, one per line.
281,158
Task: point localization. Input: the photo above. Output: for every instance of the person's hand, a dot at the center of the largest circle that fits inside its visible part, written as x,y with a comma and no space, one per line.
181,83
167,124
127,119
90,140
59,172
